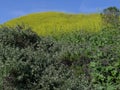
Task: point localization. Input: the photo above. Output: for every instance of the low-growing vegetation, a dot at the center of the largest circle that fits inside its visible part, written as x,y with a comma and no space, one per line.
78,60
55,23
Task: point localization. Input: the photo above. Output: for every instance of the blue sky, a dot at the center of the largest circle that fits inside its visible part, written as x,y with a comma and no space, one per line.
14,8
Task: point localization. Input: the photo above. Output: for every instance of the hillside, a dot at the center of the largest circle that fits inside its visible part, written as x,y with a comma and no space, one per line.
80,52
82,61
55,23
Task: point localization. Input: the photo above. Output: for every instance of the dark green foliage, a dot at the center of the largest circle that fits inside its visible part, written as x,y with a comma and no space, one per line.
79,61
33,63
101,50
111,16
16,37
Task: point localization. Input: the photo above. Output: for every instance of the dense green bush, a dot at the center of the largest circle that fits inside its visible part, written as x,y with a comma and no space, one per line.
35,64
16,37
111,16
102,52
79,61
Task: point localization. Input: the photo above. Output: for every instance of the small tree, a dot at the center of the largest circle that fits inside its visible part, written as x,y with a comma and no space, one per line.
111,15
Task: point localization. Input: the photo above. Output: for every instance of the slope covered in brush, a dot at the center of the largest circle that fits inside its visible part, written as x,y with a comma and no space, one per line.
55,23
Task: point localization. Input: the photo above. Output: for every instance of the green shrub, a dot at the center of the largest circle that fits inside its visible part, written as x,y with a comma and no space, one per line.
81,61
111,15
29,67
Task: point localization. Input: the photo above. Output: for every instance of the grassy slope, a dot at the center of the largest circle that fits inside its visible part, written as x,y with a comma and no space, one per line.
54,23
